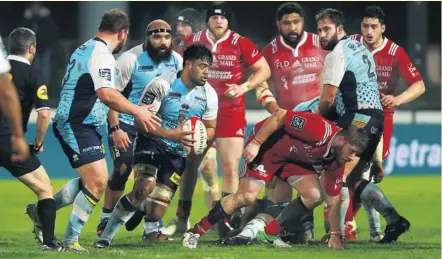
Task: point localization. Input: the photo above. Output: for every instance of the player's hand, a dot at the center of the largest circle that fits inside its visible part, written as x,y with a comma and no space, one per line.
235,91
335,242
20,149
121,140
251,151
389,101
36,148
377,170
186,138
146,119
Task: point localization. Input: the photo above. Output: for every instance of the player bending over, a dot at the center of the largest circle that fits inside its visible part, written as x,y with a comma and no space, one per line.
288,145
159,157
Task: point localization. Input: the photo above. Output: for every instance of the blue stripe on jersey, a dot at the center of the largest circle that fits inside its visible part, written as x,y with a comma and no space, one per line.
145,70
358,89
78,101
178,106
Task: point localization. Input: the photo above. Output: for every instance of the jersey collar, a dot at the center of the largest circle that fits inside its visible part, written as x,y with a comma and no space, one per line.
301,42
384,43
19,59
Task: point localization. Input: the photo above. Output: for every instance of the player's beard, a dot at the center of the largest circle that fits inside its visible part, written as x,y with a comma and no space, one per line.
156,55
290,41
119,47
331,43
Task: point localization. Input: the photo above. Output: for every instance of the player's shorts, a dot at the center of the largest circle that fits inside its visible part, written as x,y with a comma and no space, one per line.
372,121
81,143
264,167
117,153
230,123
388,131
151,151
17,169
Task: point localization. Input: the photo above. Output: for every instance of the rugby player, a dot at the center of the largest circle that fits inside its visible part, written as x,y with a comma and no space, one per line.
137,67
160,159
233,54
190,21
32,93
288,145
89,89
391,62
350,85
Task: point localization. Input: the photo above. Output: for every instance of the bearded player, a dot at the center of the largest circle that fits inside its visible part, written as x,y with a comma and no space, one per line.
289,145
233,54
391,62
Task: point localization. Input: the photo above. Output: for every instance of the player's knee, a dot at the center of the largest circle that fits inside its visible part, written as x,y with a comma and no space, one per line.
122,170
162,196
248,198
313,197
210,181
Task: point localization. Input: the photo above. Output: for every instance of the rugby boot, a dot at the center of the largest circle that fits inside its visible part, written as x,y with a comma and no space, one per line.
393,231
101,226
31,210
176,225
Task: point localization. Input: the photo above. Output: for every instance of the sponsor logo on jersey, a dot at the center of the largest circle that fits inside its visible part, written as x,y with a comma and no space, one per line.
145,68
216,74
225,60
175,178
174,95
42,92
311,62
148,98
303,79
254,53
105,73
298,122
281,64
200,100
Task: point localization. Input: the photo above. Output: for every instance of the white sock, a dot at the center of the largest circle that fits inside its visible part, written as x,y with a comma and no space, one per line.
151,226
252,228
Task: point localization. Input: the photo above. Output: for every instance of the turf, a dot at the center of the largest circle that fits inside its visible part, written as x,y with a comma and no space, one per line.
417,198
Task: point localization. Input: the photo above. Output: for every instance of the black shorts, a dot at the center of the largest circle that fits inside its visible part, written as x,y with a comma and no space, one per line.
80,143
170,168
372,121
116,153
17,169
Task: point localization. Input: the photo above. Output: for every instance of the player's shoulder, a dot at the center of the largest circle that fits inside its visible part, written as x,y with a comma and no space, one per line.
167,77
195,37
237,39
356,37
312,39
101,52
392,48
177,57
132,54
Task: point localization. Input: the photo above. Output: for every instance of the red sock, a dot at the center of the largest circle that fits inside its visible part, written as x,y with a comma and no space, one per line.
202,227
349,215
272,228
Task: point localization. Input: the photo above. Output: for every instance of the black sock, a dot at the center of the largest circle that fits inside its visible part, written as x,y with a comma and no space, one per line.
46,212
293,211
106,210
184,207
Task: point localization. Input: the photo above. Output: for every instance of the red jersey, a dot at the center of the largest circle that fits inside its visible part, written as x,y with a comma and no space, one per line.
305,138
233,54
295,71
391,62
178,45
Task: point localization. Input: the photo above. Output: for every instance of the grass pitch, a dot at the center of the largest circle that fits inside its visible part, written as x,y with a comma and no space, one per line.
416,198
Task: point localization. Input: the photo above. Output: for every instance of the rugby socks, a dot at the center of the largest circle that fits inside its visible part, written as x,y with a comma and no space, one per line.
293,211
215,215
122,212
66,195
371,194
106,213
151,225
349,216
183,211
82,209
252,228
345,201
46,212
373,218
326,220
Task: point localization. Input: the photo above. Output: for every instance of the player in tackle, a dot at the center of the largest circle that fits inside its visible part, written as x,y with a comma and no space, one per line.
160,159
290,145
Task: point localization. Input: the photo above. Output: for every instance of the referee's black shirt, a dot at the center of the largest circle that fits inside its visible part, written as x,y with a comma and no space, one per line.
31,91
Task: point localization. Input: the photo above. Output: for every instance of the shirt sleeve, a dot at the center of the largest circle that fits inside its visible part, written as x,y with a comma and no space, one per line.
41,94
178,60
4,63
334,68
308,127
212,104
125,65
407,69
249,51
102,70
154,93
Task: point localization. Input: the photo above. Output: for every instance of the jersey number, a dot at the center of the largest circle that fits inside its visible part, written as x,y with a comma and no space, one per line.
366,61
71,65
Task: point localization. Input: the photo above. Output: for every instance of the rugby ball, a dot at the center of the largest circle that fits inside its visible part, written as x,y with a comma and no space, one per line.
200,135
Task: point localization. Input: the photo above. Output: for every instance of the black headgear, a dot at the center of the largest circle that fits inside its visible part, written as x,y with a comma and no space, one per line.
219,9
191,17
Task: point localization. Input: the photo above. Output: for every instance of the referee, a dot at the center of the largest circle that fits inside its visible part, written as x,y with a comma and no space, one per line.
22,49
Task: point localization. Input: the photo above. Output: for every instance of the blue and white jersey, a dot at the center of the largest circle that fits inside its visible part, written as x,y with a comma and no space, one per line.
351,68
137,69
310,105
174,104
91,67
